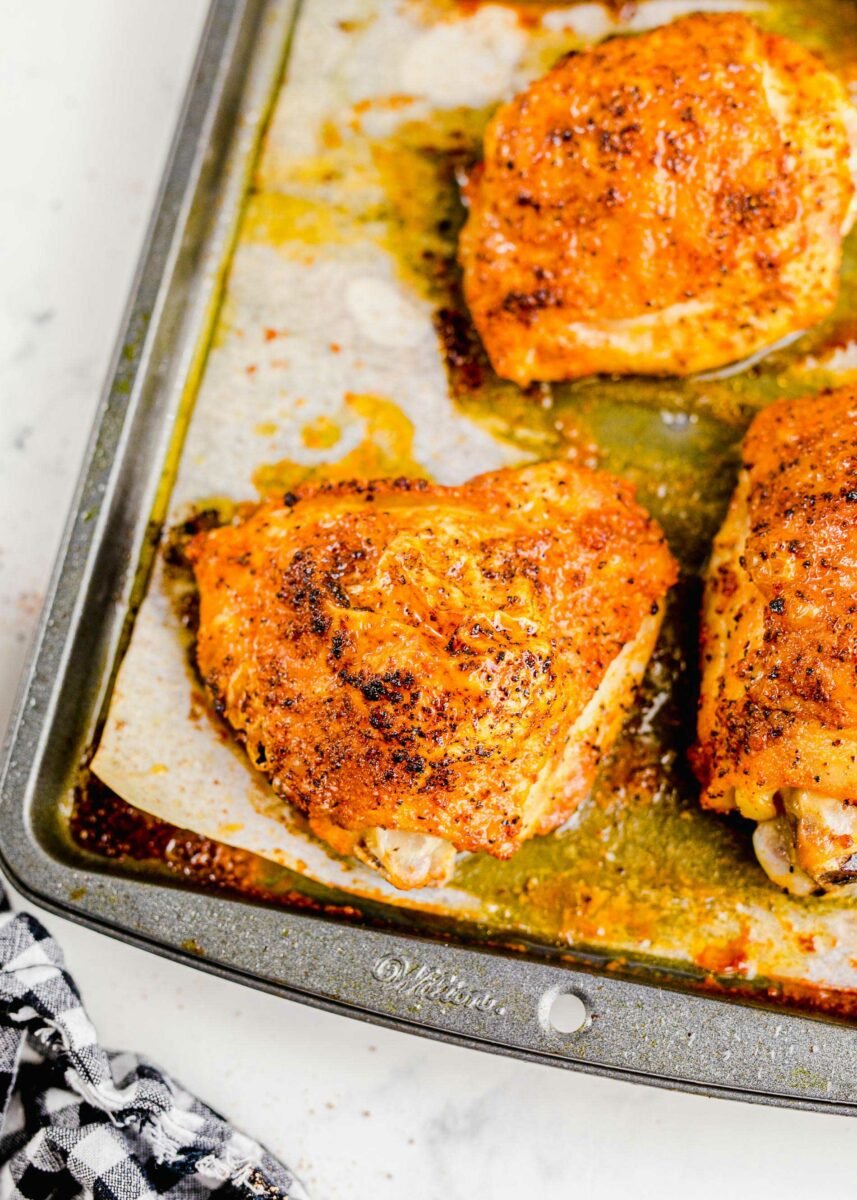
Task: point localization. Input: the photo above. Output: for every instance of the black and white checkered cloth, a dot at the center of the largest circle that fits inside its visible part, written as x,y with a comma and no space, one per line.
79,1122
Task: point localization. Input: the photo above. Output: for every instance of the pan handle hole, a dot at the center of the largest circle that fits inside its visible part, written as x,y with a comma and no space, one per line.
566,1013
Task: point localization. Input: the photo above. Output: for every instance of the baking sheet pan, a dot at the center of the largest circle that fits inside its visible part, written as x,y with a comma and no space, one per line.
327,360
496,1000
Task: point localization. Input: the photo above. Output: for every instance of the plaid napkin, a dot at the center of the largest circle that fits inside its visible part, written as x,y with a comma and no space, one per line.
77,1121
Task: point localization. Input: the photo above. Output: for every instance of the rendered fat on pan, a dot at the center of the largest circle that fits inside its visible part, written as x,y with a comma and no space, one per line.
327,362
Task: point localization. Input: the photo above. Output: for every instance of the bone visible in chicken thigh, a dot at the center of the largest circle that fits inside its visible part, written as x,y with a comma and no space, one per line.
660,204
423,669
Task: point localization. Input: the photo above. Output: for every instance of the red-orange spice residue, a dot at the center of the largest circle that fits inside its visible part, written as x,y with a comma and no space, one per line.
530,12
394,102
729,959
803,997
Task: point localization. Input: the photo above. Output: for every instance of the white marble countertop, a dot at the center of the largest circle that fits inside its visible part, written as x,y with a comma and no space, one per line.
88,95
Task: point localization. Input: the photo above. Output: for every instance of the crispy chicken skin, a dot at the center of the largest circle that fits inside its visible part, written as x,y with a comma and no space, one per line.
778,708
660,204
424,669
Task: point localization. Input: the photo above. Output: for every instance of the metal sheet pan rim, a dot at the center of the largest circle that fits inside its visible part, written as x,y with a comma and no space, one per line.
736,1018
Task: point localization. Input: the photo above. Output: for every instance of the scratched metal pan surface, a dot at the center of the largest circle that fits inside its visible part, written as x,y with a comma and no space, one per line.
483,965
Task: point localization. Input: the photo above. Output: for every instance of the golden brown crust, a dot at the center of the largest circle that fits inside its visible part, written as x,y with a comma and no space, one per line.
404,655
778,707
662,203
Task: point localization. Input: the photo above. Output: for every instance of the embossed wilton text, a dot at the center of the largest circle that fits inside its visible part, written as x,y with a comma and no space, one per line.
432,983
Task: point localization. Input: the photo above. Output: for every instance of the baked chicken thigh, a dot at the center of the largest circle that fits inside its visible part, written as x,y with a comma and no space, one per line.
423,669
660,204
778,710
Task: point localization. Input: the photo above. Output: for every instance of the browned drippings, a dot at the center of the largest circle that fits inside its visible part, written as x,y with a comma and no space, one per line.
104,824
